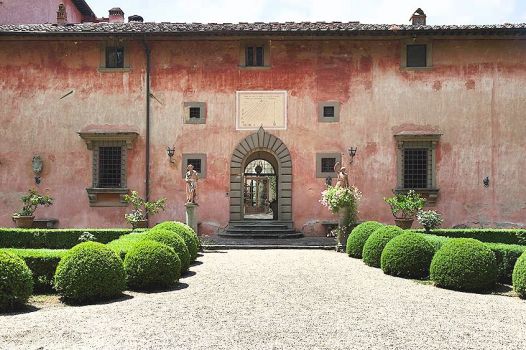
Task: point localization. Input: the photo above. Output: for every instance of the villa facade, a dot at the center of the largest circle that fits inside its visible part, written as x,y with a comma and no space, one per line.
263,111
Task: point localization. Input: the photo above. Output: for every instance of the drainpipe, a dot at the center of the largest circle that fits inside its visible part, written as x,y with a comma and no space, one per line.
147,53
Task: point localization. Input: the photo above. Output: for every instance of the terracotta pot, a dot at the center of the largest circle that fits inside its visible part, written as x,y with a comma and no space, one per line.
404,224
140,224
24,221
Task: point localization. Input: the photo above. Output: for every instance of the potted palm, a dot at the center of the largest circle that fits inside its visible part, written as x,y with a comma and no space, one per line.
24,217
142,209
405,207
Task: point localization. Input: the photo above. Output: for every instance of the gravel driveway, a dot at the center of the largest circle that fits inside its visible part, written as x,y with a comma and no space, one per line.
279,299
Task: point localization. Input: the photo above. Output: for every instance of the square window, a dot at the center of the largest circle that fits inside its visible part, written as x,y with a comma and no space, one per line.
195,112
327,165
198,160
254,56
328,111
109,167
416,55
114,57
416,168
196,163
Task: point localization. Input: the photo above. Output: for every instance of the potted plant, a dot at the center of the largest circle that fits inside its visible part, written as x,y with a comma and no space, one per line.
429,219
344,202
142,209
24,217
404,208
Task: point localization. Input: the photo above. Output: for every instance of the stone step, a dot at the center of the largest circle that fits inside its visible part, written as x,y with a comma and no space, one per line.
258,227
262,234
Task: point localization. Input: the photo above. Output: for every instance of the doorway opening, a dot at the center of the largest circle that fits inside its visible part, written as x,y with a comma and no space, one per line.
260,192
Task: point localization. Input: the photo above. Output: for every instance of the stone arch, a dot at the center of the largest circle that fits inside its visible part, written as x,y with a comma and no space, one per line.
263,142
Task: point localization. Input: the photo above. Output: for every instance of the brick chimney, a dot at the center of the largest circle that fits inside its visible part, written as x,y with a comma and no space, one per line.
62,17
116,15
418,18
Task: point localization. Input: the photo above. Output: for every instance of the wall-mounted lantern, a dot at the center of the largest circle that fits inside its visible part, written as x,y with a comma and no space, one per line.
37,165
171,152
485,181
352,153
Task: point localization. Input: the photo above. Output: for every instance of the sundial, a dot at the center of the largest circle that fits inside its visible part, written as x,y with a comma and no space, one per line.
255,109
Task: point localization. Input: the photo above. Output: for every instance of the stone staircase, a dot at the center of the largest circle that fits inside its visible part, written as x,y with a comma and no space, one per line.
260,229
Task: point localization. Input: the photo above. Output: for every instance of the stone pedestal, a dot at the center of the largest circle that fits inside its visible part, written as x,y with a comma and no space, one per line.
191,215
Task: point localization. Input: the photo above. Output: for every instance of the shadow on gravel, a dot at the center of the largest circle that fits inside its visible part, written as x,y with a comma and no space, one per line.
499,289
26,309
213,251
178,286
195,263
189,274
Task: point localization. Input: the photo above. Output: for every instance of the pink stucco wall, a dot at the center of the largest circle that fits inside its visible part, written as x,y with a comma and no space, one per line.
474,95
31,11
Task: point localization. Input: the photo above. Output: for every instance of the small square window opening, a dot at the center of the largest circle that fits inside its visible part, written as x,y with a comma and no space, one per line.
417,55
114,57
328,111
327,165
195,112
196,163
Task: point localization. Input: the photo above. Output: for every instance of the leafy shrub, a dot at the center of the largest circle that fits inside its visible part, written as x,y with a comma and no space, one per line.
519,276
16,282
42,263
407,255
506,256
31,201
88,272
375,244
123,244
429,219
405,205
174,241
186,233
464,264
151,265
53,238
358,236
505,236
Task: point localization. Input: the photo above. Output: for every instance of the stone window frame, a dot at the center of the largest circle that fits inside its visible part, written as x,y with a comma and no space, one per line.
319,156
115,43
202,111
93,142
255,43
408,140
335,118
416,41
184,163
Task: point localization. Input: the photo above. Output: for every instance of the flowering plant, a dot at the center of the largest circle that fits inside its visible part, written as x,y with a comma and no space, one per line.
429,219
336,198
405,206
31,201
142,208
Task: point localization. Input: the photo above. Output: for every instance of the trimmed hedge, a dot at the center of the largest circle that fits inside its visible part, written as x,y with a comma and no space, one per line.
375,244
505,236
174,241
519,276
358,236
123,244
151,265
186,233
16,282
42,263
407,255
506,256
464,264
89,272
54,239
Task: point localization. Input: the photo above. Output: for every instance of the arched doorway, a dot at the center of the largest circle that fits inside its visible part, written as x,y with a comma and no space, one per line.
268,151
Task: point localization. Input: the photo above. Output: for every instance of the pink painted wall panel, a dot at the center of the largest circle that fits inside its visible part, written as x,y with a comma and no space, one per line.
474,95
32,12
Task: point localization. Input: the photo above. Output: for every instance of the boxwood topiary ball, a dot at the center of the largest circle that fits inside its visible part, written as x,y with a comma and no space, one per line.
464,264
16,282
172,240
375,244
89,272
519,276
408,255
358,236
151,265
186,233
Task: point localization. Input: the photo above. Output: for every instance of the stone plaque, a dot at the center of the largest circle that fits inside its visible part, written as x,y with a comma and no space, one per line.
255,109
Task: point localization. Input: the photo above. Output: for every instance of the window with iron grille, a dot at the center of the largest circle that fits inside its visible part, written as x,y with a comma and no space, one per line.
195,112
328,111
109,167
417,167
327,165
196,163
114,57
254,56
417,55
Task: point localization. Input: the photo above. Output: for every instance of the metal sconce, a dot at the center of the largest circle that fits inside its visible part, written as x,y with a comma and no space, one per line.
485,181
37,165
352,154
171,152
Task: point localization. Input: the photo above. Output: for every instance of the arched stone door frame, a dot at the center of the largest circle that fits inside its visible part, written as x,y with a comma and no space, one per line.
261,141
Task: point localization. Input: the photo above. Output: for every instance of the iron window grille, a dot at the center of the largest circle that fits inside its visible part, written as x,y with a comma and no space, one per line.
417,168
114,57
195,112
417,55
196,163
110,167
327,165
328,111
254,56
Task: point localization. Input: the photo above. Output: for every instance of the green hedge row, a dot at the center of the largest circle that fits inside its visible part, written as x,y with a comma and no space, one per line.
42,263
54,239
505,236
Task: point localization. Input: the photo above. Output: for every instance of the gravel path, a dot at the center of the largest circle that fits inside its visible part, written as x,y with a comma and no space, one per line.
280,299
